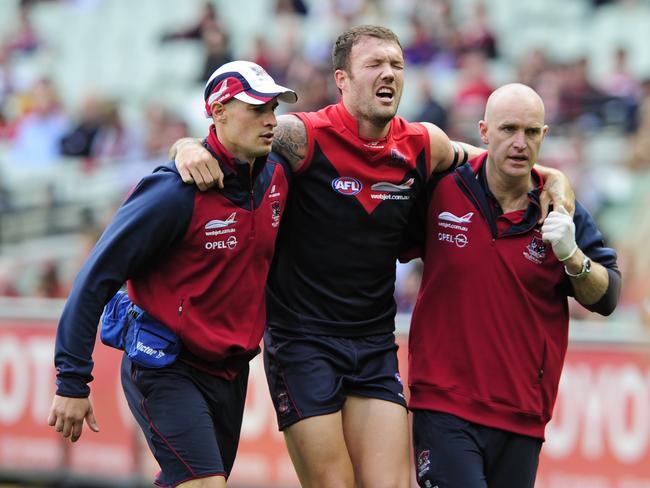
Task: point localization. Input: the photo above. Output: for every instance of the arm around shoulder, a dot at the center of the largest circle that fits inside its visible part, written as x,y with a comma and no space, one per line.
557,190
195,164
446,154
290,140
180,143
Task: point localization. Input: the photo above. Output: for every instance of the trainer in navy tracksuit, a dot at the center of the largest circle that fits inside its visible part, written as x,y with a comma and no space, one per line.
490,331
197,262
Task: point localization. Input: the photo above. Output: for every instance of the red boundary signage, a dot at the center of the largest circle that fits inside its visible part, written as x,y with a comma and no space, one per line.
599,437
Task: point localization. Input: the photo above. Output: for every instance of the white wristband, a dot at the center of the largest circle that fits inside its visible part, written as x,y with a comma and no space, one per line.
575,248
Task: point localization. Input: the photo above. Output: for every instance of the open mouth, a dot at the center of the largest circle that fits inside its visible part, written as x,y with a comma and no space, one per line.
519,158
385,94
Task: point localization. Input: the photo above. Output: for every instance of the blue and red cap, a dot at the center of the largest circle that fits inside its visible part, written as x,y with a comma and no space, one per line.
245,81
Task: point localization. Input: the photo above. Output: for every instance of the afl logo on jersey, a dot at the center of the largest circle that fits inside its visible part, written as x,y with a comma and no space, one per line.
346,185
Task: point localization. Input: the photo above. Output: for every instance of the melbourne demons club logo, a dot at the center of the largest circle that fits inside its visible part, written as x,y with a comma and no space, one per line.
283,402
275,213
346,185
424,462
536,249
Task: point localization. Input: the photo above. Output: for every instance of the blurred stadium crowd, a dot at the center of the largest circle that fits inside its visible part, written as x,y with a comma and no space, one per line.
93,93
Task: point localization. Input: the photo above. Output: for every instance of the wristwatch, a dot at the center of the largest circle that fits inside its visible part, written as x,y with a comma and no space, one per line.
586,268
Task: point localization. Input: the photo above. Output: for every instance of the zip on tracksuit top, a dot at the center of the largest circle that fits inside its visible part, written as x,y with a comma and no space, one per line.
489,331
195,261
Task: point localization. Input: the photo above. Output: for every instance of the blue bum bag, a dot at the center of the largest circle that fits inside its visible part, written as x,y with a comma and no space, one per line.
145,341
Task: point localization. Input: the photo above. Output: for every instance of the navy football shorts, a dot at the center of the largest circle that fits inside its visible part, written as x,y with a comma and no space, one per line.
310,375
451,453
190,419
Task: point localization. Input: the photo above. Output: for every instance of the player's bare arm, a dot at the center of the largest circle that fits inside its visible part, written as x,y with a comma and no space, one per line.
444,152
290,140
557,191
464,151
179,143
195,164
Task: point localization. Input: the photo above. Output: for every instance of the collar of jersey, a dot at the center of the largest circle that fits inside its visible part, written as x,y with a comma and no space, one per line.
352,124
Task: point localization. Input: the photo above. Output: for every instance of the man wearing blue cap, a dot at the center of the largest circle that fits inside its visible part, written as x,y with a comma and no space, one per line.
195,264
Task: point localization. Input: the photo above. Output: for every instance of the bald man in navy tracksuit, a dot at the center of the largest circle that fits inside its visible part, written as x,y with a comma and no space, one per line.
490,328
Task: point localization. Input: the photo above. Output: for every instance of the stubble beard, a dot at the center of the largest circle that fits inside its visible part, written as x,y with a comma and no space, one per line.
382,117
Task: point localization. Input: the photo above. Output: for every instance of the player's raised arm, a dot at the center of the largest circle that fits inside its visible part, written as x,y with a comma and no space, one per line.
446,154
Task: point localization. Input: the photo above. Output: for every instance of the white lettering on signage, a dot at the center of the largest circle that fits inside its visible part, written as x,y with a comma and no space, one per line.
15,388
601,409
27,385
41,355
26,370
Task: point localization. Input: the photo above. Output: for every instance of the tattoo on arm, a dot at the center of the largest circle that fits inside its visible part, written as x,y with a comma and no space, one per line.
290,140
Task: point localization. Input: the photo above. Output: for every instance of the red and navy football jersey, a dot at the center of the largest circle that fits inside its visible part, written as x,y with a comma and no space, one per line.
334,268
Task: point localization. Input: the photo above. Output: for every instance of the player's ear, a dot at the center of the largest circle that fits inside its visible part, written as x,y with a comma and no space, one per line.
340,78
